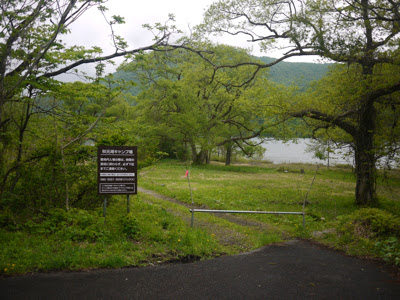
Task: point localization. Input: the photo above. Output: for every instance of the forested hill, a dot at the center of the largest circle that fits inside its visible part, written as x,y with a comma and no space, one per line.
287,73
301,74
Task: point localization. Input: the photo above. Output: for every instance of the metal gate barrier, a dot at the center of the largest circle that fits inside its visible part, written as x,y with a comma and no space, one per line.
246,212
215,211
193,210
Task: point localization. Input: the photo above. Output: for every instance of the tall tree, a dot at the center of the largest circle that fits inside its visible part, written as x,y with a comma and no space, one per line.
49,149
186,102
32,54
363,34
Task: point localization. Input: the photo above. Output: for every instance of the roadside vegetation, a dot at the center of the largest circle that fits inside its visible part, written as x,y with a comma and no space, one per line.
157,230
79,239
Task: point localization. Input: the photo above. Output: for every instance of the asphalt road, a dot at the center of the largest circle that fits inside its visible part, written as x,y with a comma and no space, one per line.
294,270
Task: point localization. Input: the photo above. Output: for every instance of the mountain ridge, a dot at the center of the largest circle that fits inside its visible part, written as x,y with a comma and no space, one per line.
286,73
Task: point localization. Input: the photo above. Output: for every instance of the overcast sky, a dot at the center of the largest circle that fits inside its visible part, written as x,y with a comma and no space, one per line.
92,30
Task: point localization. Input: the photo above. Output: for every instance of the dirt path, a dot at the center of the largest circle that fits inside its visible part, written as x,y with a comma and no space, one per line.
229,217
224,235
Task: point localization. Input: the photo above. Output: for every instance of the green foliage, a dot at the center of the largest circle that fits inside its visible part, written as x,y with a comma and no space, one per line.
74,225
357,103
301,74
187,107
8,220
52,161
47,127
389,250
370,223
130,226
135,89
76,239
371,231
286,73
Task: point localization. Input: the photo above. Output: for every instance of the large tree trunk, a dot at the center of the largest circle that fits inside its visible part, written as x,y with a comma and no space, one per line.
198,158
365,157
366,172
202,157
228,156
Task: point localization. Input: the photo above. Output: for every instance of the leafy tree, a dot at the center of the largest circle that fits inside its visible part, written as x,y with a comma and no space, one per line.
187,103
339,92
43,122
363,34
32,51
52,159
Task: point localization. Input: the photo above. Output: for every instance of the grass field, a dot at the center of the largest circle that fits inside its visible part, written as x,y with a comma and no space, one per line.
269,188
158,228
328,199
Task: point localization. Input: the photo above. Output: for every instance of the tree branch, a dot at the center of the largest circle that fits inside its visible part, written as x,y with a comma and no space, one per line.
336,120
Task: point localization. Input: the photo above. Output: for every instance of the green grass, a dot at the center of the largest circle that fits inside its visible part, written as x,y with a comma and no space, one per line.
242,237
257,188
80,240
158,231
154,232
277,188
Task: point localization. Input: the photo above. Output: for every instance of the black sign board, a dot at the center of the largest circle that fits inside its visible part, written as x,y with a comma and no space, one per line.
117,170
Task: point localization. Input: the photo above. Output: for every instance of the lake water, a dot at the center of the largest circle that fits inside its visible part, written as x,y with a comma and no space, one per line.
279,152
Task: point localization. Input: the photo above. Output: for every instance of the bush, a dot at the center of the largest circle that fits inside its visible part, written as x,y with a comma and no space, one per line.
130,226
8,221
370,223
389,250
371,230
74,225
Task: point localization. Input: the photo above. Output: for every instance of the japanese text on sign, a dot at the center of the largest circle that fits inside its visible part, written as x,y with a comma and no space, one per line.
117,170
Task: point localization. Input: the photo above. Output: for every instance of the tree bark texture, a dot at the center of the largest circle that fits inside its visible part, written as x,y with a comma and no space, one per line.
365,156
228,156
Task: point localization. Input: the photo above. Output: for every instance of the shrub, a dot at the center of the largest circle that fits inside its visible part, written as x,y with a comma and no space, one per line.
370,223
371,231
8,221
389,250
130,226
74,225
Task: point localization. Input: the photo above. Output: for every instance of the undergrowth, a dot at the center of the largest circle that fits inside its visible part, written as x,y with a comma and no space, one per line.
80,239
371,232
